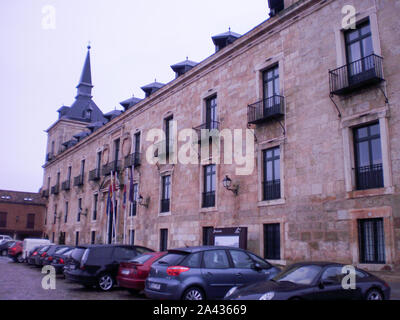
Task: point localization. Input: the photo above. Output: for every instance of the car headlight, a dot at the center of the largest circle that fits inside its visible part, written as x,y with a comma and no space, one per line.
267,296
230,292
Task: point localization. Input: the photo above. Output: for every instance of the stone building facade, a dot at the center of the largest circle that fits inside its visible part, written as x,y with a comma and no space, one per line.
21,214
320,103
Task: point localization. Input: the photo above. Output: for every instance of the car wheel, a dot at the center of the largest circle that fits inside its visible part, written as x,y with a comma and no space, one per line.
20,259
193,293
105,282
374,294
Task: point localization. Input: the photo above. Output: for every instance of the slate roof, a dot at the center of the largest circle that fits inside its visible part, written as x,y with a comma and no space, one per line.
129,103
113,114
228,34
152,87
21,197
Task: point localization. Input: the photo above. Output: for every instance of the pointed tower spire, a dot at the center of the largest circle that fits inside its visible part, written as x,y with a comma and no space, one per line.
85,83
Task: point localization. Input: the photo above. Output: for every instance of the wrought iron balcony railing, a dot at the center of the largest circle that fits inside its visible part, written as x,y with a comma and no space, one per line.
66,185
165,205
266,109
271,190
356,74
208,199
95,174
114,166
55,189
132,160
79,181
369,177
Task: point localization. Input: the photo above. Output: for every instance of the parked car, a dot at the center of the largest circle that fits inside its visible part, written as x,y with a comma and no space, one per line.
49,255
5,245
31,259
4,238
40,254
97,265
30,244
15,252
60,257
133,274
313,281
205,272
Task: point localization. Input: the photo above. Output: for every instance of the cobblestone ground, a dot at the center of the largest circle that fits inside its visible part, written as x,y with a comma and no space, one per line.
23,282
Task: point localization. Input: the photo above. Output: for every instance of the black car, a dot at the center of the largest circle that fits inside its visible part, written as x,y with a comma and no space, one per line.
48,257
30,259
5,245
97,265
35,259
314,281
60,257
205,272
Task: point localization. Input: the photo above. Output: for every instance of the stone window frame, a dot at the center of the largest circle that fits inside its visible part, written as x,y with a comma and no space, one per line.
339,31
386,214
140,132
204,163
260,148
163,173
347,126
282,223
210,93
97,208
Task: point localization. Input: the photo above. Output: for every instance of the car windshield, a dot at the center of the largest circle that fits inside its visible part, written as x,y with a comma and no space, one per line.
43,249
77,254
298,274
171,258
62,250
10,244
141,259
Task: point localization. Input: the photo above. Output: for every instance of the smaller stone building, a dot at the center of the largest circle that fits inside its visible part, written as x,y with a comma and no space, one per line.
21,214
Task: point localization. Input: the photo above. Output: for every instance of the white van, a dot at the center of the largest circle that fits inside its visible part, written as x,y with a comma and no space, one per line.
30,244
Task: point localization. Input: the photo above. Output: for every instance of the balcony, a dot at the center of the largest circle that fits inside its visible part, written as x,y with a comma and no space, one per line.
208,199
210,129
271,190
355,75
95,174
164,205
45,193
78,181
55,189
369,177
266,109
132,160
114,166
66,185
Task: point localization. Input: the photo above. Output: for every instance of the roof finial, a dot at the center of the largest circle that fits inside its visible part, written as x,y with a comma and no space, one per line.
88,46
187,58
229,28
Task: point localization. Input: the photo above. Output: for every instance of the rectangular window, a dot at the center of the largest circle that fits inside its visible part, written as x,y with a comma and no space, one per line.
271,91
55,214
61,238
272,241
93,237
211,113
133,205
30,222
358,51
368,157
53,237
137,142
3,219
79,210
77,238
371,240
166,193
208,236
131,237
82,168
168,136
66,212
69,173
98,162
271,174
58,178
209,186
95,201
116,152
163,239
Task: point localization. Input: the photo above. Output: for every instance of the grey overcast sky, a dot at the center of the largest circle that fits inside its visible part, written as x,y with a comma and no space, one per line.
133,42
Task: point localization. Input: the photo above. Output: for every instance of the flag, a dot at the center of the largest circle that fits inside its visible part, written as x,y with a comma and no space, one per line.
124,200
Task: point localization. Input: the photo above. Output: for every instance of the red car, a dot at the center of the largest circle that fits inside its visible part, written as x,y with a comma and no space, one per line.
133,274
15,252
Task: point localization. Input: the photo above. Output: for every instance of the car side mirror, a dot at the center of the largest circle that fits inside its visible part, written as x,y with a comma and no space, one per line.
256,266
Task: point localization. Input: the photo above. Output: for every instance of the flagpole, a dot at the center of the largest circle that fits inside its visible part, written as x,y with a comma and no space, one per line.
113,208
125,182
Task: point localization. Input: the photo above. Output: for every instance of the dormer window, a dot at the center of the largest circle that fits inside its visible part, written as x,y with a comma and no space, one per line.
224,39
